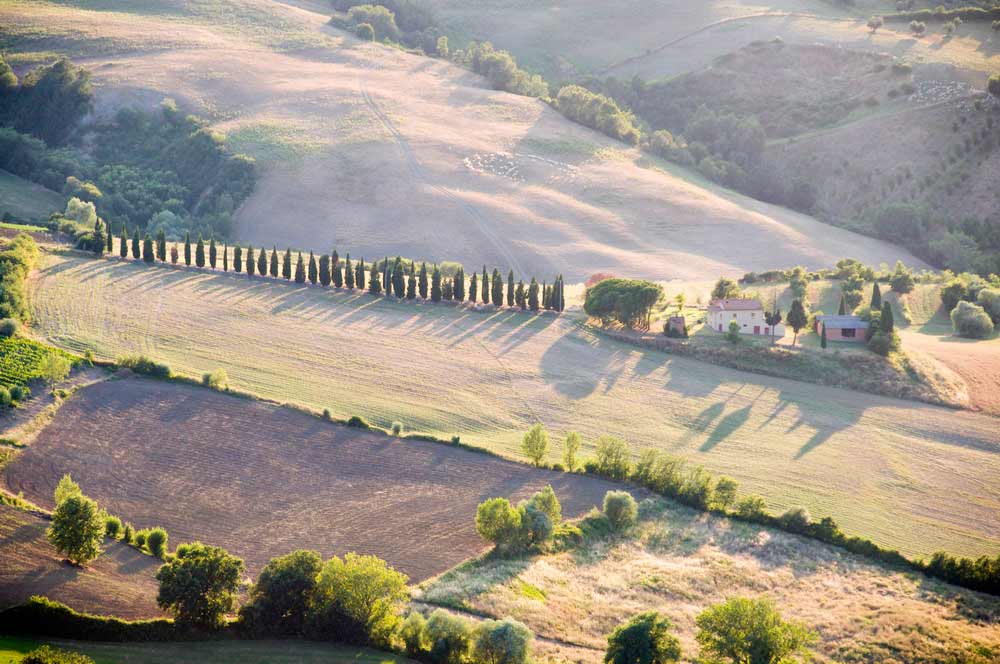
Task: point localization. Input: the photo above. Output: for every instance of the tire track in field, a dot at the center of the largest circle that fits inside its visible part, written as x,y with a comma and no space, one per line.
417,171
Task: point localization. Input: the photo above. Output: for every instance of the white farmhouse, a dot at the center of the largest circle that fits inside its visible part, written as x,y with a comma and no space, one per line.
748,314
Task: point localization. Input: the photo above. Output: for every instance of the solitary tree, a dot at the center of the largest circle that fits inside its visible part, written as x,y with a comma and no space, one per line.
645,639
797,318
535,444
510,288
77,529
187,248
198,585
136,250
199,252
773,319
750,631
300,270
874,23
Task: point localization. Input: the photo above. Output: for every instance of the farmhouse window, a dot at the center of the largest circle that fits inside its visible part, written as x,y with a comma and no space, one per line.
848,333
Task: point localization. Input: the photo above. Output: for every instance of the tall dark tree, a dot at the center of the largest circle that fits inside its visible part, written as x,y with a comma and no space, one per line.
486,287
423,281
411,283
286,264
375,280
360,274
109,240
533,302
387,281
273,265
313,271
348,273
459,284
520,299
546,296
300,270
797,318
262,262
448,290
187,248
238,259
876,297
99,242
398,279
161,245
473,287
510,288
773,319
147,249
496,288
841,311
199,252
251,262
436,285
123,242
336,275
335,259
324,270
136,250
213,253
886,324
225,257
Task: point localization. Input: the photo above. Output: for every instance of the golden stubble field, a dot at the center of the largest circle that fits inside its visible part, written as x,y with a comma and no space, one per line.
380,152
912,476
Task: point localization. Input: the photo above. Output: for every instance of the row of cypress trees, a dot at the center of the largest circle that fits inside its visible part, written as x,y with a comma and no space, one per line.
381,277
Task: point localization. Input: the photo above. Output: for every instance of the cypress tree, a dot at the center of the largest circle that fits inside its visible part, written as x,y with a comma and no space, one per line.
359,274
274,261
876,297
99,243
225,257
187,248
238,259
423,281
458,284
262,262
335,261
387,277
843,305
886,324
324,270
473,287
533,295
822,337
448,290
300,270
136,250
375,280
123,242
213,253
286,264
399,279
336,276
109,240
411,283
510,288
486,287
519,298
251,263
546,296
161,245
199,252
497,290
313,272
348,274
436,285
147,249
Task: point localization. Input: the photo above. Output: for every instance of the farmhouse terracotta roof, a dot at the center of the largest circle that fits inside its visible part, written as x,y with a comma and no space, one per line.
842,322
735,305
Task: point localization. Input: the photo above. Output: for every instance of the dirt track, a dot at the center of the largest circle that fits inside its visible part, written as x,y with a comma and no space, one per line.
261,480
119,583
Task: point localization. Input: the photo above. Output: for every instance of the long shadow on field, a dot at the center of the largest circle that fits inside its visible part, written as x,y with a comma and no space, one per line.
575,366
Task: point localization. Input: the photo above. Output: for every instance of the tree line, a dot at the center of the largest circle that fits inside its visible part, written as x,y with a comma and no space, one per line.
400,278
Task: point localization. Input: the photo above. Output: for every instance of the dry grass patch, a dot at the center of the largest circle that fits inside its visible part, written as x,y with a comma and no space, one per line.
680,562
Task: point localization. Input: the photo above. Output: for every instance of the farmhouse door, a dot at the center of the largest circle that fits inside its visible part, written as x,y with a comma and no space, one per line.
756,329
720,327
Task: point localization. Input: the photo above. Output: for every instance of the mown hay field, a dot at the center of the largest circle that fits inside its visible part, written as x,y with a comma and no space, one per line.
912,476
263,481
679,561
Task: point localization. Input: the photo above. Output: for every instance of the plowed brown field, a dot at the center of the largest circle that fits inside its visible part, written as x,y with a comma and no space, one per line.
262,480
119,583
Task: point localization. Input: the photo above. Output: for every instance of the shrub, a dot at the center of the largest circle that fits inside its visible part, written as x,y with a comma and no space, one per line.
216,380
139,539
365,31
620,509
504,641
971,320
397,429
198,585
733,333
9,327
751,508
326,414
77,529
112,527
378,18
47,655
613,458
993,84
456,440
988,299
412,631
449,637
795,520
156,542
358,422
128,534
725,493
954,292
645,639
141,364
20,393
6,401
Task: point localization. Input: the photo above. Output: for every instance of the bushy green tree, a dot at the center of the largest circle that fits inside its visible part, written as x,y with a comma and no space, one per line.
157,542
613,458
989,300
620,509
645,639
971,320
901,280
497,521
725,289
750,631
449,637
50,655
535,444
65,488
627,301
77,529
281,600
198,585
504,641
797,318
571,450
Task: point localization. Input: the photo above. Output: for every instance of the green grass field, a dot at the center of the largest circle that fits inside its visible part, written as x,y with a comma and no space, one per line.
12,649
26,200
911,476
